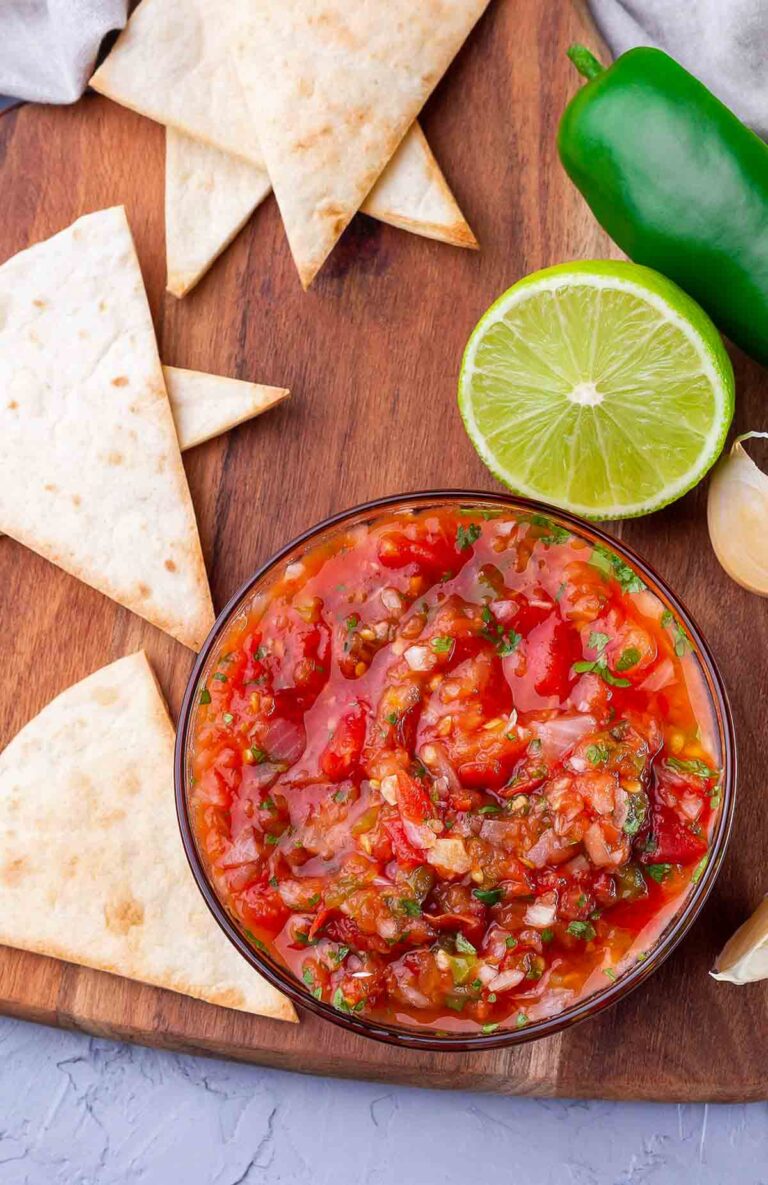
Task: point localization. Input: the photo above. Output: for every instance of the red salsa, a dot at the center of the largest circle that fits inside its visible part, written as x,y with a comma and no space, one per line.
454,768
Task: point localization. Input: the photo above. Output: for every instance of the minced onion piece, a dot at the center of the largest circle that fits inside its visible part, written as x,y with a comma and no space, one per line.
506,981
660,677
737,515
560,735
389,789
540,914
419,658
449,854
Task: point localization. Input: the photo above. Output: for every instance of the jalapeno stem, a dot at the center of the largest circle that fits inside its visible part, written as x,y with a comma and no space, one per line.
585,61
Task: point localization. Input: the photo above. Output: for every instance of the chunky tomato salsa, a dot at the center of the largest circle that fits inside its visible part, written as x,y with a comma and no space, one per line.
454,768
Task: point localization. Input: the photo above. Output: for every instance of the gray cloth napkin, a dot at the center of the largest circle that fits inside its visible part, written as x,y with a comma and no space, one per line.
722,42
48,47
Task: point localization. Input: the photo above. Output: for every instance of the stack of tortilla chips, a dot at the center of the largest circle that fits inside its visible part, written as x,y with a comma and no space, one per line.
316,98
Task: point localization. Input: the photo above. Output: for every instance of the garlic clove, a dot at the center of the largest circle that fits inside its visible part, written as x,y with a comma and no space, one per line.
744,958
737,515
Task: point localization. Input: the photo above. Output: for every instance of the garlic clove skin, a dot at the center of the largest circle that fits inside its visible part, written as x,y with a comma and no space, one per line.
744,958
737,516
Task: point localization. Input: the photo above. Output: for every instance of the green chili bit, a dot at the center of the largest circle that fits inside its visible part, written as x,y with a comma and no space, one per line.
488,896
464,945
205,695
442,644
698,871
659,872
698,768
489,1028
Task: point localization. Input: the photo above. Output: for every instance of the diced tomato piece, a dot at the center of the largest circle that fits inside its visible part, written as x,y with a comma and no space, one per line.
490,774
341,756
434,553
532,611
413,801
674,842
404,851
261,905
552,649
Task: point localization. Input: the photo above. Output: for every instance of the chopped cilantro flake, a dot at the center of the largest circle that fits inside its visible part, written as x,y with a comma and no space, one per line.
583,930
629,658
466,536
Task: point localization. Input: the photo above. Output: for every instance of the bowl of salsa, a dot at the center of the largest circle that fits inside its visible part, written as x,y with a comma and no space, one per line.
455,770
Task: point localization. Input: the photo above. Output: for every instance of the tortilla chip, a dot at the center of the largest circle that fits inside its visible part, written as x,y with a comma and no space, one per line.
209,196
92,869
92,474
413,194
205,405
334,87
173,63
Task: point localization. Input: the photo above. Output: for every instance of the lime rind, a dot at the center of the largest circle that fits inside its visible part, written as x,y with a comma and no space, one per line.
639,335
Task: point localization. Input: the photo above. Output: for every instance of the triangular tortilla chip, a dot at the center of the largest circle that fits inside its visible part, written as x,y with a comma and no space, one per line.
209,196
205,405
413,194
173,63
92,474
334,87
91,863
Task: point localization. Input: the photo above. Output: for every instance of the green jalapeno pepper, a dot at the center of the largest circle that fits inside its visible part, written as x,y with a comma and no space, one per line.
677,181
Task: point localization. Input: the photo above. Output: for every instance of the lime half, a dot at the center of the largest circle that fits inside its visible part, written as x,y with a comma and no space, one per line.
599,386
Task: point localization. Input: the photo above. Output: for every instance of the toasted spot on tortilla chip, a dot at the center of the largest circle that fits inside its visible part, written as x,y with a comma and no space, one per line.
170,566
13,871
121,381
121,915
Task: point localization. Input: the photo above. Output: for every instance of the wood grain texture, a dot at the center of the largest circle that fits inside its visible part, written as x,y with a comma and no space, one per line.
372,355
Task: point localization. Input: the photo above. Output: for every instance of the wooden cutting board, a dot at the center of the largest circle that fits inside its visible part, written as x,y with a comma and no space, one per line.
372,354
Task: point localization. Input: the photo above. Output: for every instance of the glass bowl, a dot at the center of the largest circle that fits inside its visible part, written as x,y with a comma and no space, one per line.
423,1038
